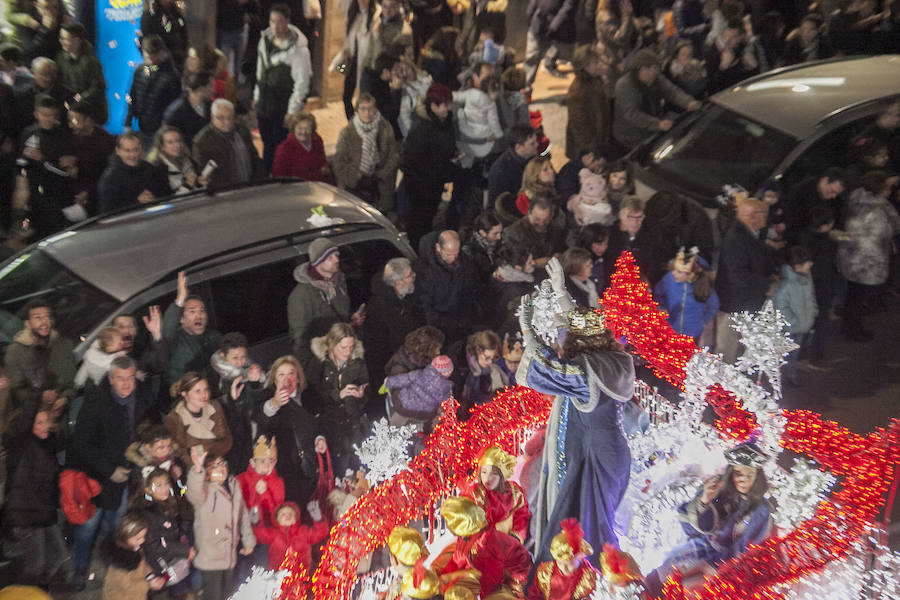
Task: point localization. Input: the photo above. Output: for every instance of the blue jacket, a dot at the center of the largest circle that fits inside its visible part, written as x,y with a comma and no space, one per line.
795,297
687,315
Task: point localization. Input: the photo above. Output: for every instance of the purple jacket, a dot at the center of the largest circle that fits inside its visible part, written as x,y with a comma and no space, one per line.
418,394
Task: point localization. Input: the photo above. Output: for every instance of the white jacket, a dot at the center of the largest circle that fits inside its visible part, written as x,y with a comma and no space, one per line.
297,56
478,121
95,365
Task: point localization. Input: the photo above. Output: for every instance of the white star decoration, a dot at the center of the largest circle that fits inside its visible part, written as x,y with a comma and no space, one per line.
765,341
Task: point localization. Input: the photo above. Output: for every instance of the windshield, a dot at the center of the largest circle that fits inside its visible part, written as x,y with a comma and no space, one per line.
77,306
715,147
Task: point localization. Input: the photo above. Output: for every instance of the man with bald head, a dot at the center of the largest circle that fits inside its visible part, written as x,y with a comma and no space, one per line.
743,281
446,279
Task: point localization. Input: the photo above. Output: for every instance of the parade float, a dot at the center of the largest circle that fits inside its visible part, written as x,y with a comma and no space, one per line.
832,489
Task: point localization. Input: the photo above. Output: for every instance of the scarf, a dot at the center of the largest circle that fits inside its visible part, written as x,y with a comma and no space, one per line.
485,245
369,133
329,286
588,288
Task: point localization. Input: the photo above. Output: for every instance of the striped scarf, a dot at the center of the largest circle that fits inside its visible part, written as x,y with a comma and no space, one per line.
369,133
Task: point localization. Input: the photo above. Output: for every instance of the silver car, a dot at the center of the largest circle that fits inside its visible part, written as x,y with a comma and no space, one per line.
787,124
239,248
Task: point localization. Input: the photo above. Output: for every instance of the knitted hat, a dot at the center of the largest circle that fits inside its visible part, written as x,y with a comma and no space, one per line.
645,58
463,516
265,448
320,249
406,545
495,457
438,94
443,365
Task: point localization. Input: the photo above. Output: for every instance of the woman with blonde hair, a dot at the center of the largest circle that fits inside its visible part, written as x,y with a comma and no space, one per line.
538,176
197,419
286,416
172,158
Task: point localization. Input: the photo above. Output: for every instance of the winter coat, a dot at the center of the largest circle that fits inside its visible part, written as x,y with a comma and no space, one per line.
95,365
120,185
310,313
641,247
540,245
48,183
447,292
76,491
345,161
295,431
410,98
427,151
477,120
166,542
126,576
442,71
30,367
505,175
292,159
401,362
639,107
589,118
823,251
141,463
221,521
720,79
361,39
262,505
506,288
25,102
283,74
210,430
102,435
687,315
795,297
296,538
187,352
238,413
179,113
33,486
388,320
93,152
168,23
153,88
418,394
744,268
872,222
471,382
512,109
175,174
211,144
340,417
83,75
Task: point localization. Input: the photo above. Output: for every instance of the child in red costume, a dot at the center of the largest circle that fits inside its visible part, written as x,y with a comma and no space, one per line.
263,489
503,501
288,535
493,564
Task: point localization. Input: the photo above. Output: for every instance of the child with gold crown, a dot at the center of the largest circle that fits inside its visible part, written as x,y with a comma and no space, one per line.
503,500
263,489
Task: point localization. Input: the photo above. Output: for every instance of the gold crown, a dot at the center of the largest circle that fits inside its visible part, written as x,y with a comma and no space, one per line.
463,516
407,545
585,321
265,448
496,457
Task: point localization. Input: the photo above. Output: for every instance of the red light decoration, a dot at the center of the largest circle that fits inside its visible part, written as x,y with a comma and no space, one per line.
866,464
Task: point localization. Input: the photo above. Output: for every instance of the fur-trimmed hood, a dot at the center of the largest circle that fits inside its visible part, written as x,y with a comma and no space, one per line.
320,348
26,337
135,455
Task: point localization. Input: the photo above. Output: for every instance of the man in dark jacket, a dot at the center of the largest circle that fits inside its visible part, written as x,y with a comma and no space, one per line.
80,70
46,81
229,145
427,160
819,190
128,179
447,280
190,113
155,85
537,232
505,174
730,58
742,281
93,146
106,426
394,310
629,234
189,338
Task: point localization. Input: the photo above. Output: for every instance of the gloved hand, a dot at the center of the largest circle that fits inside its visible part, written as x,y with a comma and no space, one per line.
314,510
557,275
525,312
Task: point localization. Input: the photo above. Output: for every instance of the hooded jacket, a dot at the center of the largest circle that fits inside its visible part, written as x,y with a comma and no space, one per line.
31,367
120,185
340,416
265,503
282,74
221,521
418,394
310,313
687,315
296,538
32,493
95,364
795,297
76,490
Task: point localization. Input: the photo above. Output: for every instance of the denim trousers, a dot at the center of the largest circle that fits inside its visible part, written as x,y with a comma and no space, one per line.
100,525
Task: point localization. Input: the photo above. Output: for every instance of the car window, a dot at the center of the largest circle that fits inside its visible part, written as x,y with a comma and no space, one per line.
717,147
830,150
77,306
360,261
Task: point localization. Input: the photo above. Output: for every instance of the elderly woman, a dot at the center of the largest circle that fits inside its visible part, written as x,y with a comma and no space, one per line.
864,259
173,160
588,107
196,419
419,348
340,378
284,416
472,360
302,153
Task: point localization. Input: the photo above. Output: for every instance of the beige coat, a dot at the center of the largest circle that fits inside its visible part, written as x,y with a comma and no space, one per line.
221,521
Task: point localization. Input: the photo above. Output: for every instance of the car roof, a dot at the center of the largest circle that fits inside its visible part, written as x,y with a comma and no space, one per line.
126,252
820,89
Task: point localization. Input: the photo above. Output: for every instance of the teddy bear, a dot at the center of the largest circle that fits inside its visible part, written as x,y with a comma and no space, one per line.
590,205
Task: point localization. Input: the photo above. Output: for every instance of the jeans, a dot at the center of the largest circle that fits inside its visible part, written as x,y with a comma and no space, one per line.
100,525
790,366
44,551
535,48
272,131
233,42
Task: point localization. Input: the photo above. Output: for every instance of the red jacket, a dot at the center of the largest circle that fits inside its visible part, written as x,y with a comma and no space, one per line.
293,160
501,558
75,492
297,538
267,502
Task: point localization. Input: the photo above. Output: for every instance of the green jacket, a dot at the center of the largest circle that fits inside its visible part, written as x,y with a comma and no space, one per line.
310,314
29,369
84,75
187,352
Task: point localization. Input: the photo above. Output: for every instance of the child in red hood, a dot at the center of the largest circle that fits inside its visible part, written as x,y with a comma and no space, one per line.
263,489
288,535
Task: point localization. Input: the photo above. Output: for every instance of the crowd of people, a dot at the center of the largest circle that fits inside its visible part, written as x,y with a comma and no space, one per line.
177,484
